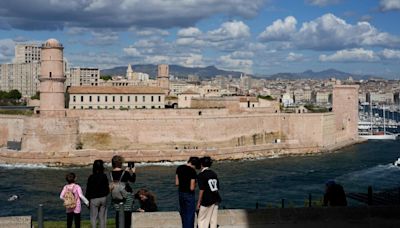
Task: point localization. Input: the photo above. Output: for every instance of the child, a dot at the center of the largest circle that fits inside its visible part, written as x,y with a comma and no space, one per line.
75,212
147,201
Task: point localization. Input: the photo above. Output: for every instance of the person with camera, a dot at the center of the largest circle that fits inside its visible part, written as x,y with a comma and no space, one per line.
122,177
185,179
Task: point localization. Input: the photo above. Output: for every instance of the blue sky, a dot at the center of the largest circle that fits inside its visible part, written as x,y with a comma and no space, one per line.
255,36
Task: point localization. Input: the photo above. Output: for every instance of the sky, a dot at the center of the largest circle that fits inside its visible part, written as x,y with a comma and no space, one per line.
259,37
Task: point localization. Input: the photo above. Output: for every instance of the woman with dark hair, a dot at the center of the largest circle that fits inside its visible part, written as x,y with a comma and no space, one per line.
96,192
124,176
147,201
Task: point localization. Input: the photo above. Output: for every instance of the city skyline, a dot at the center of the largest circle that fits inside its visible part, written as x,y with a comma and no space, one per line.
260,37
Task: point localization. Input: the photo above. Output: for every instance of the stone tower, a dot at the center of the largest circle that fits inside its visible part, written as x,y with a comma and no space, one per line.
130,75
345,108
163,76
52,78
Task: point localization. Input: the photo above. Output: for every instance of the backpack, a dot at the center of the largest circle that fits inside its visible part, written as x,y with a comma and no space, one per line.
69,199
117,189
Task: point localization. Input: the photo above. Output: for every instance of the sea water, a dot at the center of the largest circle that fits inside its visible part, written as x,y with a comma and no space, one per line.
243,183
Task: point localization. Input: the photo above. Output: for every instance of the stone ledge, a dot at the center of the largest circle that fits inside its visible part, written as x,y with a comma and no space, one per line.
16,221
287,217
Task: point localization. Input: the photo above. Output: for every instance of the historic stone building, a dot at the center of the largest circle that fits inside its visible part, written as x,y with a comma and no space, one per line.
108,97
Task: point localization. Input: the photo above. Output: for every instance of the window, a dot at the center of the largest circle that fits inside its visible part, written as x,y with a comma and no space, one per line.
106,98
152,98
159,98
129,98
90,107
144,98
81,107
74,98
120,98
185,98
81,98
135,98
49,73
74,107
90,98
98,98
113,98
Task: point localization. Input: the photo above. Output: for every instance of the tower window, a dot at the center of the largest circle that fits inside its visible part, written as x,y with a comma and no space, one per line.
81,98
50,74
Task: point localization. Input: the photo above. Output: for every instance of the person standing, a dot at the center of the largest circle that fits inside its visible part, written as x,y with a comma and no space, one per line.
209,197
72,195
123,176
97,190
185,179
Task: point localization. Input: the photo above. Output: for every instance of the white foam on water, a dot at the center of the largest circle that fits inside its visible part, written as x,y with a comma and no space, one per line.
24,166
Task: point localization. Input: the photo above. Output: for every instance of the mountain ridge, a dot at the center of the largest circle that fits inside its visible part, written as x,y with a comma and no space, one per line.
211,71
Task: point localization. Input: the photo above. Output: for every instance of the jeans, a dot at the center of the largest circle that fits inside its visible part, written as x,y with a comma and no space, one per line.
187,209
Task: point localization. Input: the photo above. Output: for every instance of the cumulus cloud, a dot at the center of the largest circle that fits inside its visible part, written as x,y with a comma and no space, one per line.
390,54
6,50
322,2
233,63
279,30
329,32
350,55
131,51
229,31
189,32
387,5
294,57
149,32
118,14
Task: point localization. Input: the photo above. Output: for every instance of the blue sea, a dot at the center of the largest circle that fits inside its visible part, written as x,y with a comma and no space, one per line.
243,183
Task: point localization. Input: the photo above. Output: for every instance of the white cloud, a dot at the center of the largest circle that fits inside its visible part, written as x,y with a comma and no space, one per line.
279,30
131,51
7,47
332,33
294,57
387,5
231,63
189,32
390,54
229,30
322,2
350,55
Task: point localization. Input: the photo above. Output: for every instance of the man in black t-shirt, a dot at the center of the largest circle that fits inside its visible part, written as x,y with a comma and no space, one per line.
185,179
209,197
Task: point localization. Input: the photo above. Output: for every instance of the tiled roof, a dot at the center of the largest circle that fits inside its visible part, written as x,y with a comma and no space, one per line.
115,90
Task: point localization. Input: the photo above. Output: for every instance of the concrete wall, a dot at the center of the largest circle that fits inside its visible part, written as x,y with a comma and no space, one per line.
287,217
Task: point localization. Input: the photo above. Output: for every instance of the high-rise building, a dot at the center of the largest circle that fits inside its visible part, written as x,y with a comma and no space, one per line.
21,76
83,76
27,53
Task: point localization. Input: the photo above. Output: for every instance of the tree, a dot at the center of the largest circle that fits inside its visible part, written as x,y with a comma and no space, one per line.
36,96
14,94
106,77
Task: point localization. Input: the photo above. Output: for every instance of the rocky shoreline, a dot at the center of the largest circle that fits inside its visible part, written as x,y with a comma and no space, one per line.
86,157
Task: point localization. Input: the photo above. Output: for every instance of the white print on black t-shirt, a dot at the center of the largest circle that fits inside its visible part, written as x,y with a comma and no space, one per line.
212,183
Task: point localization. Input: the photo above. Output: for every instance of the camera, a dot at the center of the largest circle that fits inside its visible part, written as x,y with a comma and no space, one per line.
131,164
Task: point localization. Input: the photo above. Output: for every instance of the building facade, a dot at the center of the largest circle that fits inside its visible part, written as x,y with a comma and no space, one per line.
83,76
27,53
108,97
23,77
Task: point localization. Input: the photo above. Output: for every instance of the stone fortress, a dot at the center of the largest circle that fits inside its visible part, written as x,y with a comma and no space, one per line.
60,136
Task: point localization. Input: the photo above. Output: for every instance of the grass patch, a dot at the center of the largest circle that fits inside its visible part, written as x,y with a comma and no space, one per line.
16,112
84,224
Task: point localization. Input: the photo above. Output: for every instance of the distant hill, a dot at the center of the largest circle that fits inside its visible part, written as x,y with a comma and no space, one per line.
176,70
325,74
212,71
